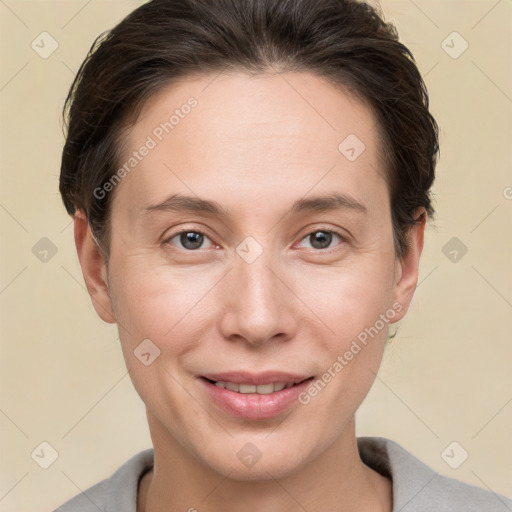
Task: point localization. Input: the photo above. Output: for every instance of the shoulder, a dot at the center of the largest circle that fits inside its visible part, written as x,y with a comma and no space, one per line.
417,488
117,492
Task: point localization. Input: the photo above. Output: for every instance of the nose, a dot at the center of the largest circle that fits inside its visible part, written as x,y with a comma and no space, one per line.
258,303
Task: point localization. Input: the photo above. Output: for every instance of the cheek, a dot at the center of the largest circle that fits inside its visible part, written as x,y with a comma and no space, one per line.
167,306
358,314
348,299
173,306
354,304
163,306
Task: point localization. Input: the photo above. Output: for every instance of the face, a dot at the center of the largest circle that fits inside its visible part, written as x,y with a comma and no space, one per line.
278,269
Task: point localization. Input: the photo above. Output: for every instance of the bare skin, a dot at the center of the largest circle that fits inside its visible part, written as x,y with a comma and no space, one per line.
375,488
255,146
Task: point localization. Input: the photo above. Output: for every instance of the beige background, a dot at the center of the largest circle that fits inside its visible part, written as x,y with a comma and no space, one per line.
445,377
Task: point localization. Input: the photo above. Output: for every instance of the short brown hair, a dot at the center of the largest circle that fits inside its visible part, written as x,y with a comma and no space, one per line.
345,41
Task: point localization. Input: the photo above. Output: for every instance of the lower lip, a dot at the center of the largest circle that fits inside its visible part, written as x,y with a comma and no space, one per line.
252,406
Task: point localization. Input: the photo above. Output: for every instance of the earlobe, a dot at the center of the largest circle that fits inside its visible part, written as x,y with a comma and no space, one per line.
406,274
93,268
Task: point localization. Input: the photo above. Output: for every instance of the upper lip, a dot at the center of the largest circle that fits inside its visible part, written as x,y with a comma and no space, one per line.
243,377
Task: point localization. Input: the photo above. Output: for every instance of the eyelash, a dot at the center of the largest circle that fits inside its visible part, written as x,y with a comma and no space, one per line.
174,235
343,238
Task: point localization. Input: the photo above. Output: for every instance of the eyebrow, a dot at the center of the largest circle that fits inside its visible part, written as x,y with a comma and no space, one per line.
320,203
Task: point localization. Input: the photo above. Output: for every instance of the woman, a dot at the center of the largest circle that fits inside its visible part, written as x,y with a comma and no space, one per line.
250,184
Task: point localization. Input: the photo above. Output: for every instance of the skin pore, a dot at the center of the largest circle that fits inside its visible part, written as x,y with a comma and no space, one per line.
253,145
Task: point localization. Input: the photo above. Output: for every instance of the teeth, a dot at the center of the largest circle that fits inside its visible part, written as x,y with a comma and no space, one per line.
262,389
246,388
231,386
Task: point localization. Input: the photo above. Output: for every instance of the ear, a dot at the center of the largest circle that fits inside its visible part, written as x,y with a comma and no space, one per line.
94,269
406,268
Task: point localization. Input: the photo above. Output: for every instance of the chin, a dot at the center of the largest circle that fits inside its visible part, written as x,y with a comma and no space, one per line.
257,459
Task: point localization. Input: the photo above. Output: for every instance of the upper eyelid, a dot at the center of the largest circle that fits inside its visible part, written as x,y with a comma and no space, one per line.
187,230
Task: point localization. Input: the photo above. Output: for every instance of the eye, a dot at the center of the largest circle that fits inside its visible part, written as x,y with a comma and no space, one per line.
321,239
189,239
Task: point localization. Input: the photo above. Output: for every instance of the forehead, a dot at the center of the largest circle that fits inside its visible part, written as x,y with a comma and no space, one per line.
238,135
246,107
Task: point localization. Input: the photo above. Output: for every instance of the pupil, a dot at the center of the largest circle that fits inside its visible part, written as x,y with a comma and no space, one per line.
191,240
321,239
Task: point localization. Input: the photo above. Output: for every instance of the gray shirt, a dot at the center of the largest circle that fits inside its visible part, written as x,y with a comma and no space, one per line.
416,487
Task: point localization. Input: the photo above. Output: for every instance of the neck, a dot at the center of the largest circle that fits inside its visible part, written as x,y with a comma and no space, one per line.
336,479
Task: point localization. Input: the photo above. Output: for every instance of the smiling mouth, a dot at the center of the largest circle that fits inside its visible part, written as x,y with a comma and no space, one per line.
253,396
260,389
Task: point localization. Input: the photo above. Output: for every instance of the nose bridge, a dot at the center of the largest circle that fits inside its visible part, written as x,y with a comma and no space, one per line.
258,305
